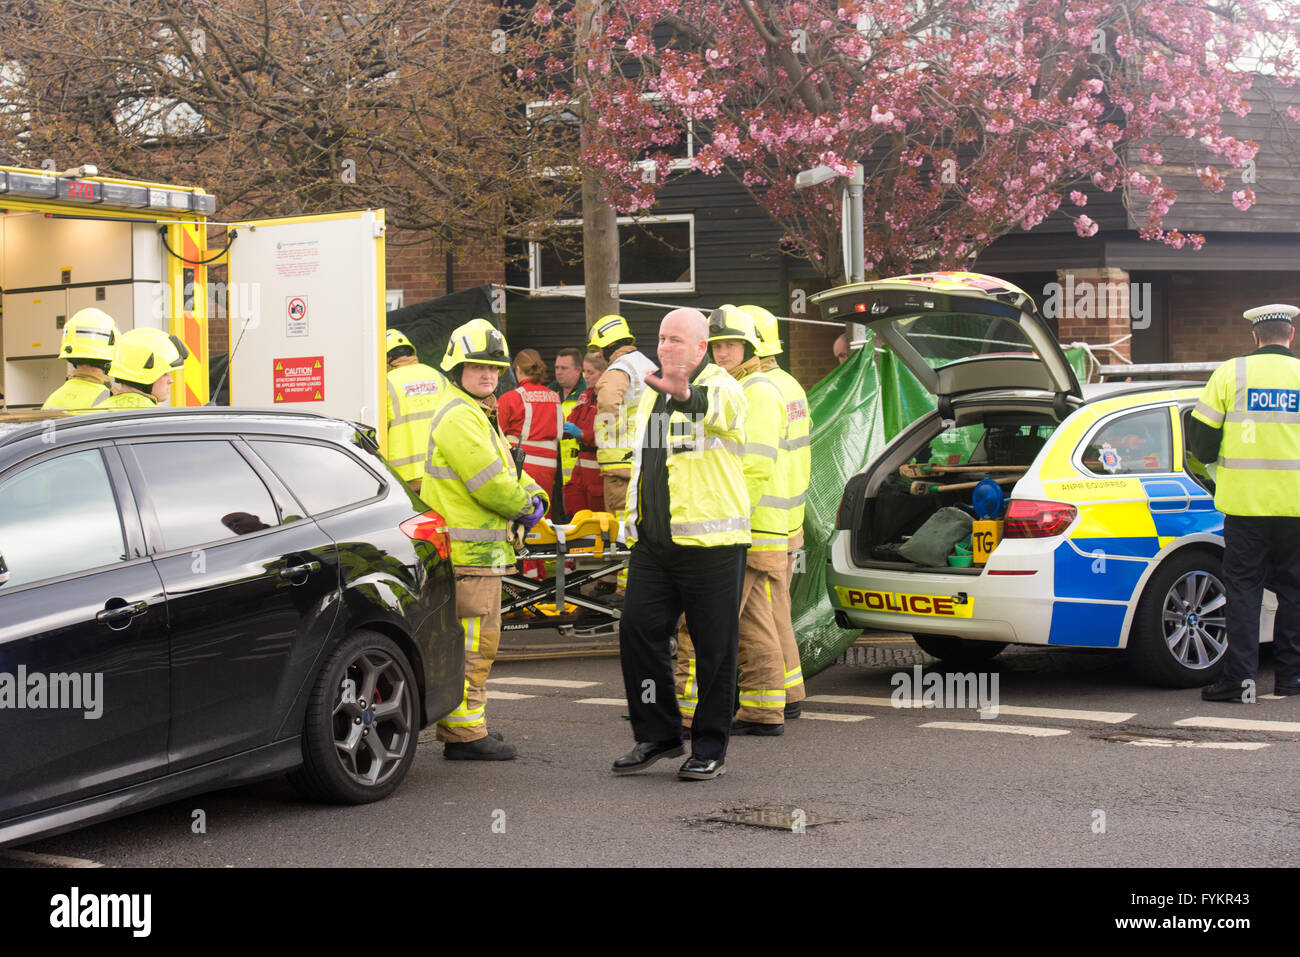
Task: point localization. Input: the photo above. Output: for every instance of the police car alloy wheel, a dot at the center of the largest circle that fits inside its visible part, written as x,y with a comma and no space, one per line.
1180,632
361,726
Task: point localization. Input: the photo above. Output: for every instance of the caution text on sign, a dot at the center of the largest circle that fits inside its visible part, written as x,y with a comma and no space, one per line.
299,380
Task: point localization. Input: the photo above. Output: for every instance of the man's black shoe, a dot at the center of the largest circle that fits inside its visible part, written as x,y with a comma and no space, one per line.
1287,687
755,728
701,769
1226,689
645,754
793,710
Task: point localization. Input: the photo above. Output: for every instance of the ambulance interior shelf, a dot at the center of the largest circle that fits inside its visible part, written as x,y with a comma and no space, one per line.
940,474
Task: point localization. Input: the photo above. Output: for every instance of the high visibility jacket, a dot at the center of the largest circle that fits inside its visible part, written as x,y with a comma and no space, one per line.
794,455
708,503
470,480
127,400
83,390
1255,399
413,390
617,398
765,427
531,419
569,447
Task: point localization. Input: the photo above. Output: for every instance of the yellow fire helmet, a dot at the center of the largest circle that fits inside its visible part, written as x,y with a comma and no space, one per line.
729,322
608,330
765,325
396,340
146,355
90,334
476,341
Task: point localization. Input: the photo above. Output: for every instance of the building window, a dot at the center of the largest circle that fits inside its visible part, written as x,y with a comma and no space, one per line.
656,254
559,120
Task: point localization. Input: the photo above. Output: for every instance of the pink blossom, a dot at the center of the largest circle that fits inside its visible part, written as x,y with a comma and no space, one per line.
1078,198
1084,226
1243,199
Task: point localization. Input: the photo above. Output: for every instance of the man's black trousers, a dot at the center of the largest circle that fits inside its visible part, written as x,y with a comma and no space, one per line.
1261,552
663,582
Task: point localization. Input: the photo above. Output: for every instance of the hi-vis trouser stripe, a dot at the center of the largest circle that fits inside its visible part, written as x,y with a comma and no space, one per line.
473,629
762,698
689,696
464,716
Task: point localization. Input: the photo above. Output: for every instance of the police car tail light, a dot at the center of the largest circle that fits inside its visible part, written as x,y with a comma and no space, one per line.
1027,519
429,527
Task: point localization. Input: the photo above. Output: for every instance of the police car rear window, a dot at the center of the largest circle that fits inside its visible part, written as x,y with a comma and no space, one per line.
320,477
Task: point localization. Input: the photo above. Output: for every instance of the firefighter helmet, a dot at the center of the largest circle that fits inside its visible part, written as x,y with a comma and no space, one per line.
608,330
765,325
90,334
476,341
729,322
395,340
146,355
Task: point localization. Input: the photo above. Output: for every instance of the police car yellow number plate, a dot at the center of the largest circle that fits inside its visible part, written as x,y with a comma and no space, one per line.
936,606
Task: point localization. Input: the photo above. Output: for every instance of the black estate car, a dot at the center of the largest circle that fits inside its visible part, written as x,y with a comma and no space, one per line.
197,598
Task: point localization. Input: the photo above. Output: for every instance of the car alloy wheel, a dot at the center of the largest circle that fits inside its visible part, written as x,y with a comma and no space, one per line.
373,718
1195,628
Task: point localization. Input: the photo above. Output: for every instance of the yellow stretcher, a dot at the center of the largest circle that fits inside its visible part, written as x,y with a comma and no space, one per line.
585,551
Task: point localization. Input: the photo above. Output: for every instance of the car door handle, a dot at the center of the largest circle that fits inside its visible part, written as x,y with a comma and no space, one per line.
294,571
122,612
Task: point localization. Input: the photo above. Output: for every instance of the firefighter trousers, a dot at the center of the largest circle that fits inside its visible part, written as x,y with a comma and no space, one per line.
794,689
478,602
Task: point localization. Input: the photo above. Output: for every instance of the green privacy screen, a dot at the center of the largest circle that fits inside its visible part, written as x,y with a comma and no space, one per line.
856,410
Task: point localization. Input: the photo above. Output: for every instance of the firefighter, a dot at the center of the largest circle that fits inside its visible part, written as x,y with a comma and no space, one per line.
735,346
413,390
1248,419
793,471
89,341
142,369
471,481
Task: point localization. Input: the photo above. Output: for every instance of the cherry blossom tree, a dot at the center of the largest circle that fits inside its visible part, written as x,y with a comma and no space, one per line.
971,117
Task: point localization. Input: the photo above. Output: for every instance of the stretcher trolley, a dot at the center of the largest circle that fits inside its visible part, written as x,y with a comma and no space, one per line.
589,550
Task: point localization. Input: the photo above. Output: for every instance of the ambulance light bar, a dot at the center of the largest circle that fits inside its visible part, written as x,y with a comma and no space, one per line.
72,189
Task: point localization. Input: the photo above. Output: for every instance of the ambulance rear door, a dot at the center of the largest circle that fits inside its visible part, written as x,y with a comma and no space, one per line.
306,307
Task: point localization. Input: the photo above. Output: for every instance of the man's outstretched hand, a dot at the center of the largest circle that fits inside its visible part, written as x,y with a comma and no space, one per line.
672,380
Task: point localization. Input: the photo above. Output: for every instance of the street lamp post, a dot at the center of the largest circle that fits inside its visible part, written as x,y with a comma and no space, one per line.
851,230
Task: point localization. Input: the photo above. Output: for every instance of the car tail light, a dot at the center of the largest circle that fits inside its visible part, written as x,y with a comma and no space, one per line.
1026,519
429,527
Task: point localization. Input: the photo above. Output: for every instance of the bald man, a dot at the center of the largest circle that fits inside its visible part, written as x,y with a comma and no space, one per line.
688,510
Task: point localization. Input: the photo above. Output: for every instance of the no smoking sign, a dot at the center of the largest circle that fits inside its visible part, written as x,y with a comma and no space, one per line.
295,315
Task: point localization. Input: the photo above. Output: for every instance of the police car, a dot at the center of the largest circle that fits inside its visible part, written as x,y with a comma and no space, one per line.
1108,537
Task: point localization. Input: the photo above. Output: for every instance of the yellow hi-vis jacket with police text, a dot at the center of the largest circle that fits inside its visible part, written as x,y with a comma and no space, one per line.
413,390
1255,400
470,480
794,457
82,391
764,429
708,501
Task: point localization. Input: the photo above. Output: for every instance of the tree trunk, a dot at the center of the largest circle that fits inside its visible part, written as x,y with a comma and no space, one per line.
599,220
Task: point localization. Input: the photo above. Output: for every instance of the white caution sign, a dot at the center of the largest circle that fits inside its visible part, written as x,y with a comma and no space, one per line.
295,315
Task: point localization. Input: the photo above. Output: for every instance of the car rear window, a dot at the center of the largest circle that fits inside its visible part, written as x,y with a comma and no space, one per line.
322,478
203,492
1131,445
59,517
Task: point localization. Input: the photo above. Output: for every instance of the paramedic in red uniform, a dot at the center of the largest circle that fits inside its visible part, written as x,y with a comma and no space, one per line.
531,419
586,486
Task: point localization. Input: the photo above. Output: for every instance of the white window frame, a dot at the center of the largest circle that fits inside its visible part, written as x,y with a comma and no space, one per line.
553,172
535,260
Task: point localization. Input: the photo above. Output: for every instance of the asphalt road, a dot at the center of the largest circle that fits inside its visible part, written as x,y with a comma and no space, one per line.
1134,778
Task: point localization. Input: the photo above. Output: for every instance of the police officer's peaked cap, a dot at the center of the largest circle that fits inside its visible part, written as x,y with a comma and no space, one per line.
1277,312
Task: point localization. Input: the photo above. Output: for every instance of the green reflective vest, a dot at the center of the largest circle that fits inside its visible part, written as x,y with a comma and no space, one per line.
470,480
708,501
1255,400
413,392
79,392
